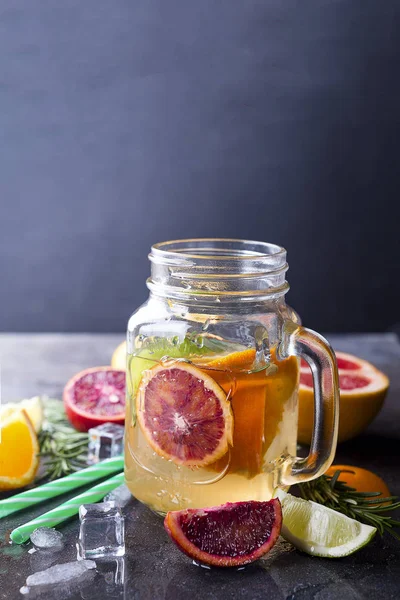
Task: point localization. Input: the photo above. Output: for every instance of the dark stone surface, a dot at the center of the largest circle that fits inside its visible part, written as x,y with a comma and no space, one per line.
153,568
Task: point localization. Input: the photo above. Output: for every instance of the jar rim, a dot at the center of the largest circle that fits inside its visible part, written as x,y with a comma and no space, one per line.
212,249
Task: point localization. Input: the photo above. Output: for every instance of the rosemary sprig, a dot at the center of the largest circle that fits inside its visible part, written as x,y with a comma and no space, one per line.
366,507
62,448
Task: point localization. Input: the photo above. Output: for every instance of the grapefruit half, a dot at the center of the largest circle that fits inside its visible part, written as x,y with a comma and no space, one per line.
362,391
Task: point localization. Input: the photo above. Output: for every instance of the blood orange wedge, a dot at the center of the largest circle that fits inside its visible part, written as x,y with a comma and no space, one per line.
184,414
95,396
230,535
362,392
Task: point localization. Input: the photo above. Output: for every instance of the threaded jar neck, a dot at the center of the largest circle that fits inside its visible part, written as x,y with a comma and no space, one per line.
220,269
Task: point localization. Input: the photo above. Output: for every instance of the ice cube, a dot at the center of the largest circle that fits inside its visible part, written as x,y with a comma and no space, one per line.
47,537
60,573
105,441
102,531
121,496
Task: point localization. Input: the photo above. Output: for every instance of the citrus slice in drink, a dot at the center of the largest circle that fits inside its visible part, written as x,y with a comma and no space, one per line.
239,361
184,414
248,405
362,391
230,535
321,531
258,403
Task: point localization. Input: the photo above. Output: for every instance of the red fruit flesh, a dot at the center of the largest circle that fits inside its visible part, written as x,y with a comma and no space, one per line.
184,415
343,364
95,396
346,382
230,535
353,382
347,365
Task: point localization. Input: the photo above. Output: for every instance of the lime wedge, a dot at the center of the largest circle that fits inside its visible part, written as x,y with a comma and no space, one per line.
321,531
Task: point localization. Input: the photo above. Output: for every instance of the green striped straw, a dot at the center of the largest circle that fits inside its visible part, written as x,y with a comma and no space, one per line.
68,509
60,486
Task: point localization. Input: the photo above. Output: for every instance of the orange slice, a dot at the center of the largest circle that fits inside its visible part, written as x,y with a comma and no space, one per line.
235,361
18,451
362,391
258,403
184,414
248,405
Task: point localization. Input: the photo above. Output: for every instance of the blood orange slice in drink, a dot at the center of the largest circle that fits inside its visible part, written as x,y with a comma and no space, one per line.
184,414
362,392
230,535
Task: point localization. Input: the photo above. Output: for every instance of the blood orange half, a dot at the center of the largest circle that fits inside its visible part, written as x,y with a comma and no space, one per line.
184,414
95,396
362,392
230,535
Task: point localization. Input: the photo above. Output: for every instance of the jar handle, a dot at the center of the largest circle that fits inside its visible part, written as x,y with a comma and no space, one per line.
317,351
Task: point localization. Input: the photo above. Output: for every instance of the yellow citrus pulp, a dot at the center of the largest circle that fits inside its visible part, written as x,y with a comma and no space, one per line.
19,450
32,406
118,359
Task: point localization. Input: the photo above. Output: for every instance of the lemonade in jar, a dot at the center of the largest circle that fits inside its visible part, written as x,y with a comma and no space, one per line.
212,379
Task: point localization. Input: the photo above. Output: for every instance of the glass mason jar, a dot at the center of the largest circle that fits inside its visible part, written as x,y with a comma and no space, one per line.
212,379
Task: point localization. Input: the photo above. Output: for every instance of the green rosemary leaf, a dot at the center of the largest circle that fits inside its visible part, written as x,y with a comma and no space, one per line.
63,450
334,479
367,495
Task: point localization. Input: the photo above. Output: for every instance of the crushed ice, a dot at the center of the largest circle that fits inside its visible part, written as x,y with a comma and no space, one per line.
60,573
47,537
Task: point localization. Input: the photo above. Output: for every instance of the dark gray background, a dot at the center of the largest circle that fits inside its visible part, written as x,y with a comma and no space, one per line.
127,122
